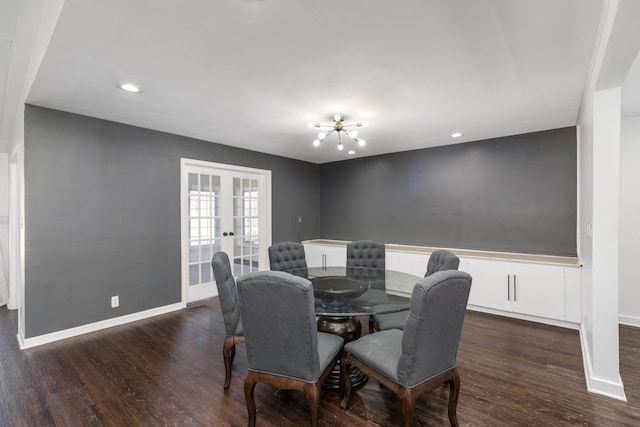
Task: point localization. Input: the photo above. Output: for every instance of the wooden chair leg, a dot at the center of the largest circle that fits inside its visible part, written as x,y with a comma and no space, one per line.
454,392
249,387
344,379
371,325
228,352
312,393
408,404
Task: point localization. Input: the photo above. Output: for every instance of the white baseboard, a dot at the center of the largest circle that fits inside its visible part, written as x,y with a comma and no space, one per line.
97,326
615,390
629,320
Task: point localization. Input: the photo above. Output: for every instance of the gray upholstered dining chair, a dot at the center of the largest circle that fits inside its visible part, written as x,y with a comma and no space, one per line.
230,305
439,260
366,253
288,256
284,347
422,357
371,255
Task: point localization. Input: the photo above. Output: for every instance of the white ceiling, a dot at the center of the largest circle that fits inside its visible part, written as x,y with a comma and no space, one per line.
253,73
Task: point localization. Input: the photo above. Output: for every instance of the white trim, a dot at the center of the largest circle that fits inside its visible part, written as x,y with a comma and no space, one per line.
97,326
578,199
629,320
14,235
594,384
222,166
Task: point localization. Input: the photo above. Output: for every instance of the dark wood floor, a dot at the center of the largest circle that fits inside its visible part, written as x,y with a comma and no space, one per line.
168,371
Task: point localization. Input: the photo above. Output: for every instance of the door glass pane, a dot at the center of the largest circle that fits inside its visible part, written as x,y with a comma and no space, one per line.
245,223
204,226
194,277
205,272
237,187
215,184
193,182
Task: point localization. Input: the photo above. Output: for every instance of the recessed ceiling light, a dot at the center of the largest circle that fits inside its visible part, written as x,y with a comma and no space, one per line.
129,87
456,135
351,152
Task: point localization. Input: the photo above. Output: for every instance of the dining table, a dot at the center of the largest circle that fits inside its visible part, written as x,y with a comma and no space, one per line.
343,294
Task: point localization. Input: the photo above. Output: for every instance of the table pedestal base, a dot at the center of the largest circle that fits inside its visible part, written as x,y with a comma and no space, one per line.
350,329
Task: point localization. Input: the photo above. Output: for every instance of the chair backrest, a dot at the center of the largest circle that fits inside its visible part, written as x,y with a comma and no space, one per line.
279,323
365,253
433,327
227,291
442,260
287,256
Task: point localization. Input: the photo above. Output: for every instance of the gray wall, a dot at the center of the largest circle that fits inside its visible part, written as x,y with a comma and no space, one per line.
102,208
514,194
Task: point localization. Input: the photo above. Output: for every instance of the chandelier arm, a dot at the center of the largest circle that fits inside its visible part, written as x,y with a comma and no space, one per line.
349,131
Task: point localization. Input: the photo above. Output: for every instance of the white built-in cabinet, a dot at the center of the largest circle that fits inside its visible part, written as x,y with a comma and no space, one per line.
526,288
536,291
325,255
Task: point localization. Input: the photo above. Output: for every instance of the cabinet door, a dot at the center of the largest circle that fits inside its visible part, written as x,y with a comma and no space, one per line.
325,255
407,262
313,254
336,256
490,286
538,290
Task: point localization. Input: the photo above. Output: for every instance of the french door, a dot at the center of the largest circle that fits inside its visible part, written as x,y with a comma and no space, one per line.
223,208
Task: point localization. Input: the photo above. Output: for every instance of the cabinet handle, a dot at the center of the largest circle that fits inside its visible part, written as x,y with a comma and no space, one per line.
509,287
515,288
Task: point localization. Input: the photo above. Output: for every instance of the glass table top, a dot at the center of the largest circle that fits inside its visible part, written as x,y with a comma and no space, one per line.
355,291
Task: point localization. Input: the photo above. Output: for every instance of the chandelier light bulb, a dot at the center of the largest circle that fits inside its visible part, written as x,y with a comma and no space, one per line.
322,135
361,142
340,147
337,117
353,133
311,124
365,123
316,143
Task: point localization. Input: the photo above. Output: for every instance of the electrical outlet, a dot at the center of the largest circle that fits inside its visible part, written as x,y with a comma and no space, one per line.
115,301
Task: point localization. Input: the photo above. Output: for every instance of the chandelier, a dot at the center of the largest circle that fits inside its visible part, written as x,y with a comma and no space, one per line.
339,127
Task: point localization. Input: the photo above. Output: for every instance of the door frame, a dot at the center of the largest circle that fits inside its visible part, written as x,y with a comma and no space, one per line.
265,220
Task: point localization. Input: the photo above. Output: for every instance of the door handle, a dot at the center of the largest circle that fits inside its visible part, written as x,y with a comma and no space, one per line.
225,234
515,288
509,287
231,233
